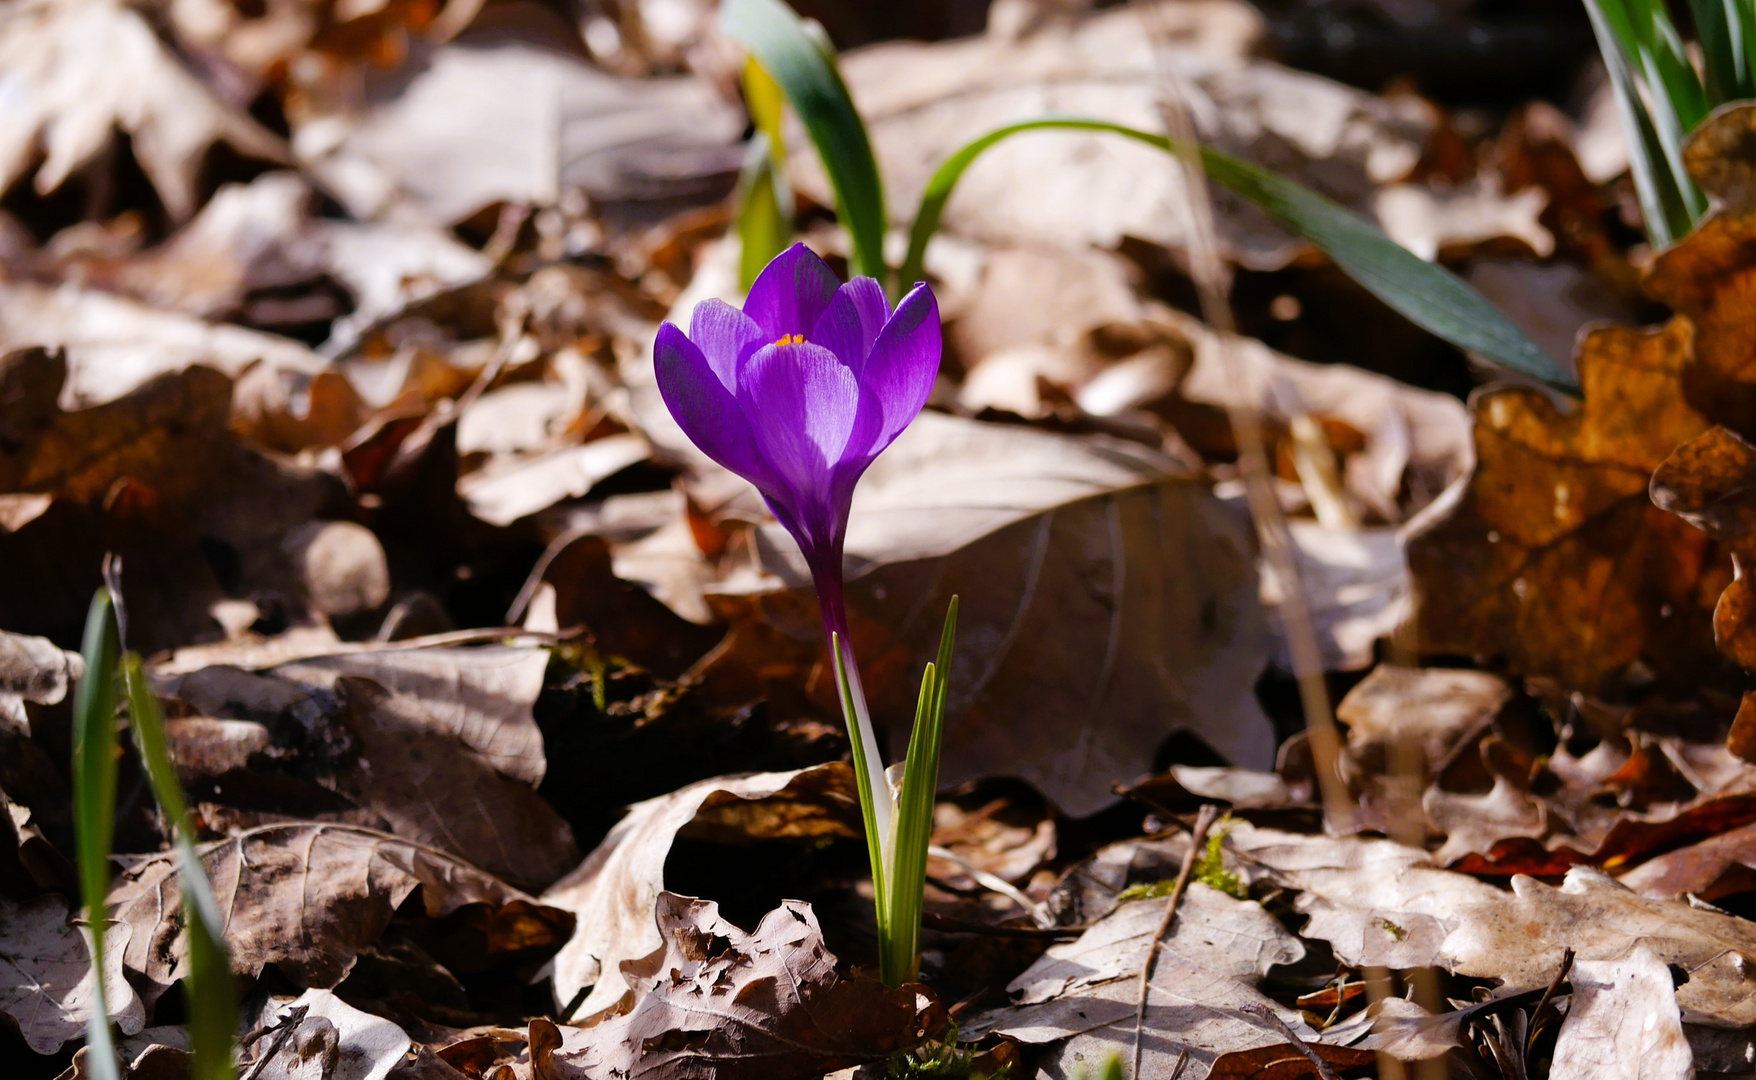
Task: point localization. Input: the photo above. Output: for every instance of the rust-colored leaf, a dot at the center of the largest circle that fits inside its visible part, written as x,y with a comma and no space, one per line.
1553,556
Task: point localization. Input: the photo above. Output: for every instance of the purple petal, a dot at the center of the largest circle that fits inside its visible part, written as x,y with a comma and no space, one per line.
806,409
902,365
791,293
703,406
856,313
725,336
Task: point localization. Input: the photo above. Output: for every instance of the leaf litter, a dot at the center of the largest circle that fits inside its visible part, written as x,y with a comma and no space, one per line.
334,321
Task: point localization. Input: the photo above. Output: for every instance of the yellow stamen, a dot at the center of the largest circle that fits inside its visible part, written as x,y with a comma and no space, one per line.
791,339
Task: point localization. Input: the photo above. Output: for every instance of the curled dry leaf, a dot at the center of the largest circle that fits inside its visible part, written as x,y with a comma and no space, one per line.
78,72
712,1002
46,979
308,896
1623,1023
1081,998
32,669
1552,554
613,892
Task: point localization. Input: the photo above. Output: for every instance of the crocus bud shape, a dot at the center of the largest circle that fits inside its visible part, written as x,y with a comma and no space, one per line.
799,392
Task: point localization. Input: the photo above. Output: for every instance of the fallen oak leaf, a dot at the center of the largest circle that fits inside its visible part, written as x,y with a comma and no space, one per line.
1552,554
714,1003
1080,999
1520,939
1710,275
307,897
614,891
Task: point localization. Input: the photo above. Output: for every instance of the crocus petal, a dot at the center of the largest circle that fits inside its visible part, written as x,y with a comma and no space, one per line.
726,336
704,407
856,313
902,365
791,293
806,408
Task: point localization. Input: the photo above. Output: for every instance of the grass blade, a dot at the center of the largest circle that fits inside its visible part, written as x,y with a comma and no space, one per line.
213,1000
1429,296
1723,27
804,66
1664,201
863,778
765,215
94,809
914,821
765,200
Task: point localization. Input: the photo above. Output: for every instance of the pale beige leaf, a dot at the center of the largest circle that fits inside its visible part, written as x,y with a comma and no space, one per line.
1623,1023
46,983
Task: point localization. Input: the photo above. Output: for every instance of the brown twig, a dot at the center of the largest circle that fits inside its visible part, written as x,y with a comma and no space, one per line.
1548,996
1263,1012
1204,819
1212,285
282,1030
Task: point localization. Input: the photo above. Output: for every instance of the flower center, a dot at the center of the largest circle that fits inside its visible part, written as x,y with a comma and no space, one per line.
791,339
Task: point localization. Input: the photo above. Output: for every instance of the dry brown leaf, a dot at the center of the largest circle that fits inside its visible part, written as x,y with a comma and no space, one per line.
1710,275
1081,998
1435,709
307,897
1074,189
157,477
78,71
1552,555
114,344
613,892
481,122
46,978
439,745
1106,601
713,1002
1622,1023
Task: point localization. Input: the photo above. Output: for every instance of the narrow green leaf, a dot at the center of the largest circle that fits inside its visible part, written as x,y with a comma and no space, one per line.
1666,63
765,211
863,777
94,809
804,66
1722,27
213,1000
1429,296
899,958
1664,201
920,787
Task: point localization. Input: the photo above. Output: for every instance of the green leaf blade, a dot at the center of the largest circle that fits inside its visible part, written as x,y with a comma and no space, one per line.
1428,295
213,999
94,808
804,66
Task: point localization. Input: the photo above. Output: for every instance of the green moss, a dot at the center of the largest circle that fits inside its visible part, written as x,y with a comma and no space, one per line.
1211,870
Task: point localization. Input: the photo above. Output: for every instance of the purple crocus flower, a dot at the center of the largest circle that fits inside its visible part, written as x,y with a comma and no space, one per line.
800,391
